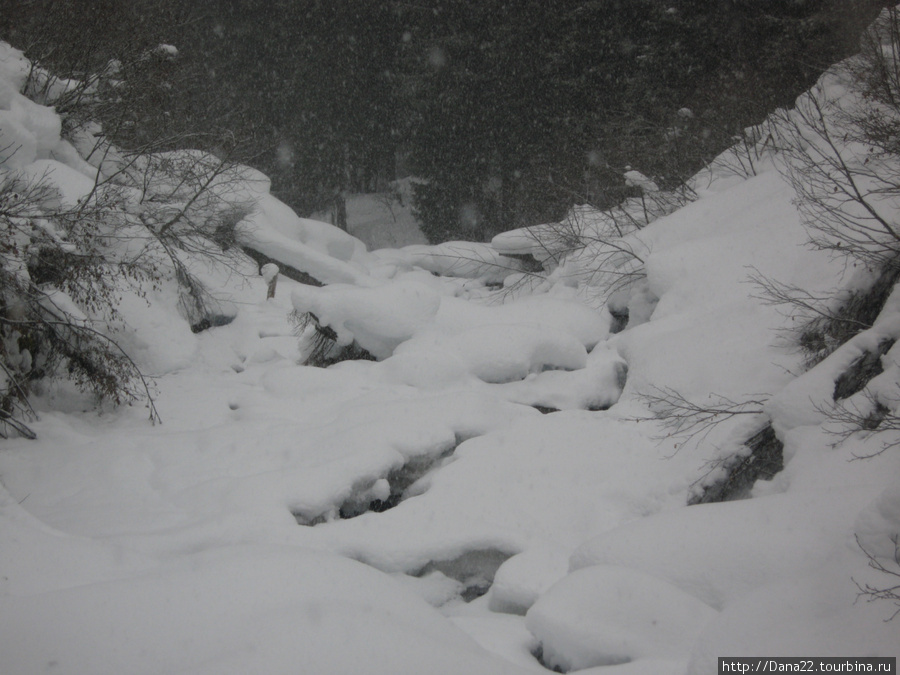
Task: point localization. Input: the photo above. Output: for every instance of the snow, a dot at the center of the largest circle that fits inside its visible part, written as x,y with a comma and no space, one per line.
250,531
28,131
269,272
457,259
166,51
607,615
72,185
324,252
636,179
323,612
757,542
378,319
505,353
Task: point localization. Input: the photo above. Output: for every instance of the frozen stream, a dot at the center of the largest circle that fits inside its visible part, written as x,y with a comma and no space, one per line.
424,511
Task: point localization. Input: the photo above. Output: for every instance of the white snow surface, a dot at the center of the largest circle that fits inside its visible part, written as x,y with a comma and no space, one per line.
606,615
241,534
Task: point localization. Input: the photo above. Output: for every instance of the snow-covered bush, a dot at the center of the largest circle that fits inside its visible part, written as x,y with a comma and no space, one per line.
595,249
81,223
841,154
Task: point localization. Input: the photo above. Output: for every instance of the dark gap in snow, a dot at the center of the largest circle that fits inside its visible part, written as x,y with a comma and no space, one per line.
199,306
621,380
544,410
351,352
538,654
548,661
619,319
323,348
765,459
283,268
621,375
874,419
863,369
474,569
821,336
400,481
213,321
384,493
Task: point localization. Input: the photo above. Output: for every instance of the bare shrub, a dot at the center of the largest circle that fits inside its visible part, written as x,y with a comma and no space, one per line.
693,421
820,323
889,592
841,152
749,149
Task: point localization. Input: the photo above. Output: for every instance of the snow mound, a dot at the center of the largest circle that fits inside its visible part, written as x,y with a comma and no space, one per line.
525,577
597,386
719,552
608,615
281,603
877,528
468,260
509,352
324,252
378,319
28,131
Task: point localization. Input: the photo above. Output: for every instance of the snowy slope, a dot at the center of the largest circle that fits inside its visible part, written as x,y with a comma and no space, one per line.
251,530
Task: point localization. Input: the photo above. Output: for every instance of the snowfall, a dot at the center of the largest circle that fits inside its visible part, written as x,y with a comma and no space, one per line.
491,493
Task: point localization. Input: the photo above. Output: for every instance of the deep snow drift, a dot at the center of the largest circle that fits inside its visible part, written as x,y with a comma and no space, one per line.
493,487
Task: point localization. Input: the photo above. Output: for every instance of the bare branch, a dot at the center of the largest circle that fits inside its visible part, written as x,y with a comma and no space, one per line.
694,421
849,419
873,593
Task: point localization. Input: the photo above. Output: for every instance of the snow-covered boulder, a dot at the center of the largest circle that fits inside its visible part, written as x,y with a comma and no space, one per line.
377,319
607,615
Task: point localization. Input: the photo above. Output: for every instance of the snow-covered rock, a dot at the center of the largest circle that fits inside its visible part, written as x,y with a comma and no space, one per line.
607,615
